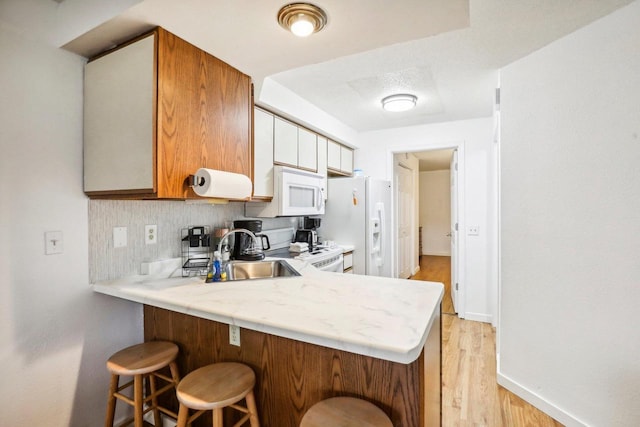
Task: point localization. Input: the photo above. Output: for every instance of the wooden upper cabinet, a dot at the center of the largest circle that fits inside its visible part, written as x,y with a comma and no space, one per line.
171,109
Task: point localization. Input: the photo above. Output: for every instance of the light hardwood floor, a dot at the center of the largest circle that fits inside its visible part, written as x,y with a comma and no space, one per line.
437,269
470,393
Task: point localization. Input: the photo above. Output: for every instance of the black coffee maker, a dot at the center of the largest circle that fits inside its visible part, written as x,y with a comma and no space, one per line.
244,247
309,233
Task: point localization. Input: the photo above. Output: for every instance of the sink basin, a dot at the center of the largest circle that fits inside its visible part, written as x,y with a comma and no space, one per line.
250,270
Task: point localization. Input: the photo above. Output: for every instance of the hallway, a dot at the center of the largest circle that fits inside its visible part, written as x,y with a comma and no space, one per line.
470,393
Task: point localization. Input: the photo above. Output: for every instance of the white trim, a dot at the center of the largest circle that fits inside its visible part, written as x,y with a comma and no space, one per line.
460,146
436,253
539,402
416,270
478,317
167,421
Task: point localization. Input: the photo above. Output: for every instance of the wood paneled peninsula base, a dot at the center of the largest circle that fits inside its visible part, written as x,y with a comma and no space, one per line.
291,375
307,338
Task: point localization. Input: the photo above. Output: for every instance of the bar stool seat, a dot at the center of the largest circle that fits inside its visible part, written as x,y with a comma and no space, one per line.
142,361
345,412
214,387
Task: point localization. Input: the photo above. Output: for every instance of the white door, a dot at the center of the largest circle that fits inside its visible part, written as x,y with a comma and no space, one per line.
454,229
403,213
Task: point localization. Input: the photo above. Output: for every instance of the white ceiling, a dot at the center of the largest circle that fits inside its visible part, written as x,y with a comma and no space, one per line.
448,52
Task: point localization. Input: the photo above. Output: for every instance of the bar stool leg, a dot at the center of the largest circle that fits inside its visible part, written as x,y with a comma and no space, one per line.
173,366
111,401
137,397
183,415
253,411
217,417
154,401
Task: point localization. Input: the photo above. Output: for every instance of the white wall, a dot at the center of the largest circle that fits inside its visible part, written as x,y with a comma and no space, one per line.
570,151
435,212
55,333
286,103
476,136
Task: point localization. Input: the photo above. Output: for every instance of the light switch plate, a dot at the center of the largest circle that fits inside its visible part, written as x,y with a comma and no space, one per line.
119,237
53,242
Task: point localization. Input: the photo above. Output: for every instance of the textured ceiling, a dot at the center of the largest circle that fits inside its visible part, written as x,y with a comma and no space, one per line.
448,52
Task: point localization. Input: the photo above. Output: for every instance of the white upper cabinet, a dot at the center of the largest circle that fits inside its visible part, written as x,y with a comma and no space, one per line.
294,146
333,155
285,143
307,149
263,125
339,158
118,120
346,160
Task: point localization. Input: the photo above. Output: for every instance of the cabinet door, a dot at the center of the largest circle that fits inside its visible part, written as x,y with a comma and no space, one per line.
346,160
285,143
204,114
119,94
333,155
263,154
307,150
322,161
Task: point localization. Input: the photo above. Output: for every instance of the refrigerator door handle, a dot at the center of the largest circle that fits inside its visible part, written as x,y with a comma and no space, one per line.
382,225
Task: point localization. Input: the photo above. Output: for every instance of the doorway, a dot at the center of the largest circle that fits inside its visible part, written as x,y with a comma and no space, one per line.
445,257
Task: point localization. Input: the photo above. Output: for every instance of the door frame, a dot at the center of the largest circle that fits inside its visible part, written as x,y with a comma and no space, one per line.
462,241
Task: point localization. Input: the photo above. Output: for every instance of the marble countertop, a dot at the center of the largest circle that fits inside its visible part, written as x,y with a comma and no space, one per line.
374,316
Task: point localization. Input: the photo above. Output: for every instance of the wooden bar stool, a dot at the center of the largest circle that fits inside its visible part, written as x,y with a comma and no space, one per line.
345,412
214,387
142,361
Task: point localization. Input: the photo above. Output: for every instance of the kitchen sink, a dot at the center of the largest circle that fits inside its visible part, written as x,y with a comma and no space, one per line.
250,270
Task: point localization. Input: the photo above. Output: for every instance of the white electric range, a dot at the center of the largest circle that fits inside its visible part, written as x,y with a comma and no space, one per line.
321,257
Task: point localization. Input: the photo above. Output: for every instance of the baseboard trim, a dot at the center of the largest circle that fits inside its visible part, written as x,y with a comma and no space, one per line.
478,317
539,402
167,421
436,254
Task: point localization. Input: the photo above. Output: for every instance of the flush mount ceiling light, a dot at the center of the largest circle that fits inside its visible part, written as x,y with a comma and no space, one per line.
399,102
302,19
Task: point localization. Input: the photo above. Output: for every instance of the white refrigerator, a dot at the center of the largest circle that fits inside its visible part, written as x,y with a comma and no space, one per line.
358,213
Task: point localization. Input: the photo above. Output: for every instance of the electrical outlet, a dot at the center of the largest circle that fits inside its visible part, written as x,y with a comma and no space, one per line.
53,242
473,230
119,237
234,335
150,234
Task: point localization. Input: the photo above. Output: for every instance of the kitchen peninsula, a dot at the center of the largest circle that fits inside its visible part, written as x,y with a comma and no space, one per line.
307,338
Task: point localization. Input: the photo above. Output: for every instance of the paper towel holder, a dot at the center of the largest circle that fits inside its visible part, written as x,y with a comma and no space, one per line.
220,184
195,181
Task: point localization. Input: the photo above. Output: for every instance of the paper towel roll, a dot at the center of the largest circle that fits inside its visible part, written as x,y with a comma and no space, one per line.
221,184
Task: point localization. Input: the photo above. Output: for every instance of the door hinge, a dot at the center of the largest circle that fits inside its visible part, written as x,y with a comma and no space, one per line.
456,166
456,286
456,228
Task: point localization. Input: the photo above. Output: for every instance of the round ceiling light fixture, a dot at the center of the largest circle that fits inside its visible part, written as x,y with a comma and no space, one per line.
302,19
399,102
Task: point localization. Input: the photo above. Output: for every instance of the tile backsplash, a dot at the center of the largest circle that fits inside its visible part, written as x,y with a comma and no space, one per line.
107,262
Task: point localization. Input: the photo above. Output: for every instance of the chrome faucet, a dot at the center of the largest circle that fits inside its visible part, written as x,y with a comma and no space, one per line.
256,243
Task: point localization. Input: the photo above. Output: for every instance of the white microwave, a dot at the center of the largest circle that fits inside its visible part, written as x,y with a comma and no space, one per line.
295,193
